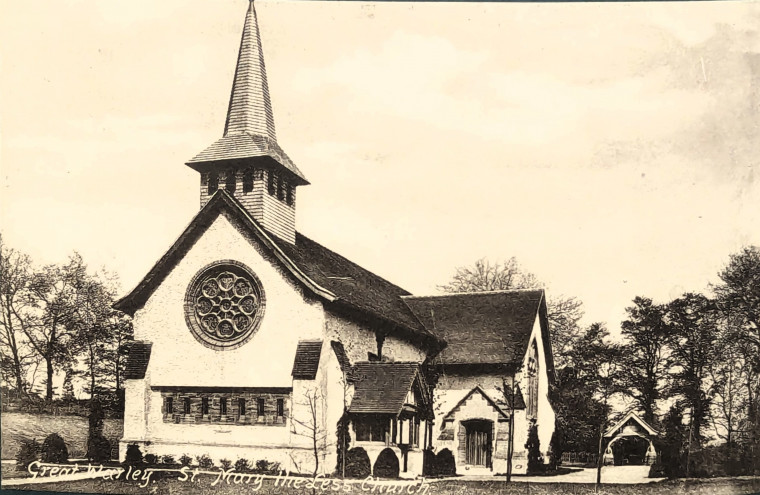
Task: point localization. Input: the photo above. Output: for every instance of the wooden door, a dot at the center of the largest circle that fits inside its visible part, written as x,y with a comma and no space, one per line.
478,440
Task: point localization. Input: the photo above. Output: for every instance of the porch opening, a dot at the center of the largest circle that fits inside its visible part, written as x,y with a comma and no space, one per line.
478,442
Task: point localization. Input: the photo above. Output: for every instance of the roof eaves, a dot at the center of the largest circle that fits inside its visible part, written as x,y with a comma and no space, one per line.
469,394
131,302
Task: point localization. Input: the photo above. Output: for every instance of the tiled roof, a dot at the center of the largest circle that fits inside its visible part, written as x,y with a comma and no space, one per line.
345,363
310,263
250,107
480,328
137,360
630,416
246,145
351,283
306,362
249,130
381,388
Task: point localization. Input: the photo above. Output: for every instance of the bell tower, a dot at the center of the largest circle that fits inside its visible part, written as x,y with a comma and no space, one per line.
247,162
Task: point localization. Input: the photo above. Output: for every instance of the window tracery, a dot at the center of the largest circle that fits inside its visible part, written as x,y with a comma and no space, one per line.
224,305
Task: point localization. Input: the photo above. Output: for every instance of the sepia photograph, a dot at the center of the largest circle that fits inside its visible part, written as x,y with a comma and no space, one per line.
410,247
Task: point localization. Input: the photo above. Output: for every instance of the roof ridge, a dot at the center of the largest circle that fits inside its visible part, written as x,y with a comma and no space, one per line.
474,293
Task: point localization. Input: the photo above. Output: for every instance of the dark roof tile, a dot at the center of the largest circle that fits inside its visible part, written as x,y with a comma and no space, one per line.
351,283
480,328
137,360
381,388
306,362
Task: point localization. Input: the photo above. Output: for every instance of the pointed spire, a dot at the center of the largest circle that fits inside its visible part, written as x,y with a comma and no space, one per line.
249,128
250,109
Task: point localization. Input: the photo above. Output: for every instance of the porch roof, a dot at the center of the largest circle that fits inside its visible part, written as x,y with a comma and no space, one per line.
381,388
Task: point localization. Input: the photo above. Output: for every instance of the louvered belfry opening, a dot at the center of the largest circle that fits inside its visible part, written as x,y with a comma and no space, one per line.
247,162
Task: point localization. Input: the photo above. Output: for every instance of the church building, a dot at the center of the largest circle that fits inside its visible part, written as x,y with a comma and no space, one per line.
253,341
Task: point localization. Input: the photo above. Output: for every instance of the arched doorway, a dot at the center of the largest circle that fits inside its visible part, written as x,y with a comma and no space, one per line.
630,442
630,450
478,441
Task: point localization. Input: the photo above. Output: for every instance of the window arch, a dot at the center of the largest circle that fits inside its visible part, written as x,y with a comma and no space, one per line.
532,402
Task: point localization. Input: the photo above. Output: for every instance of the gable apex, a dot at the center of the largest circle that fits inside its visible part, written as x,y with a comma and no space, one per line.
518,400
221,201
631,415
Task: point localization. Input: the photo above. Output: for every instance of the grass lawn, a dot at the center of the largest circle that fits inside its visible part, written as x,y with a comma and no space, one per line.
73,429
202,486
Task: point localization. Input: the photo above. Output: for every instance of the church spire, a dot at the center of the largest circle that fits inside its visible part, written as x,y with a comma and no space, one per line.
250,109
246,161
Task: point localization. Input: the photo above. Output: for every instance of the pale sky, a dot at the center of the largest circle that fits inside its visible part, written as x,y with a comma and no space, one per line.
614,149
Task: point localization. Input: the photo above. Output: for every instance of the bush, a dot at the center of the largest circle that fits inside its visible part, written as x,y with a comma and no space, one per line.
357,463
386,465
265,467
151,459
555,448
535,459
428,463
204,462
344,441
95,419
133,456
657,470
168,459
445,463
98,449
185,460
262,466
226,464
242,465
54,449
27,453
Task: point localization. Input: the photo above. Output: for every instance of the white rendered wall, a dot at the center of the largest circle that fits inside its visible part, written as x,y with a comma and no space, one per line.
178,359
545,415
358,339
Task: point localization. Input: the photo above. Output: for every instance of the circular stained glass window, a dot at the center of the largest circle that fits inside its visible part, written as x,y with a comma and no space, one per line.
224,305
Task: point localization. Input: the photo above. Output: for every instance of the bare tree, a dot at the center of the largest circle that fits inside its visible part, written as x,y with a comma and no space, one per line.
312,426
564,312
16,313
487,276
53,291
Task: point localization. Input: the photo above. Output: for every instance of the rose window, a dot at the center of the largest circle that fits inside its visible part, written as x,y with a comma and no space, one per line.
224,305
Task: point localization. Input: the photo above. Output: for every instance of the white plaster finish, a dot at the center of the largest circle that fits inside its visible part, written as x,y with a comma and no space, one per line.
452,387
545,415
359,338
264,361
396,349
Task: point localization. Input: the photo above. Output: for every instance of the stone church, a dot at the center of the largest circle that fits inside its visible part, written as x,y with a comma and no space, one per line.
253,341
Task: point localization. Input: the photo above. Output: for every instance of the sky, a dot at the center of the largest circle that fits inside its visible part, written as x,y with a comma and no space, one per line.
613,149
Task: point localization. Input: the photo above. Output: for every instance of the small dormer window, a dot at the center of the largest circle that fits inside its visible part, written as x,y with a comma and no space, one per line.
248,181
229,184
213,183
